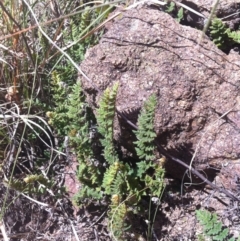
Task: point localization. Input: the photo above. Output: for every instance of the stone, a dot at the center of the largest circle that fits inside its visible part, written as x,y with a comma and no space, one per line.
198,111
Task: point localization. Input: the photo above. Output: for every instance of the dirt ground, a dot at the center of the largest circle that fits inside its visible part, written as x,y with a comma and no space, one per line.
61,220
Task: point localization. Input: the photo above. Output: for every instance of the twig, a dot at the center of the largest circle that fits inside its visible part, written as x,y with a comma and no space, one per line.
98,219
39,203
197,173
2,227
189,9
215,4
96,234
74,231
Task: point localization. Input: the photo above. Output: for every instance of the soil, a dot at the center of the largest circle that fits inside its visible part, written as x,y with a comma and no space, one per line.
175,213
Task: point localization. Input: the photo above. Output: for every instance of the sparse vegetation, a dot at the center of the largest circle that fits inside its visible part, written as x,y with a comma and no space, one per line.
222,36
171,8
212,227
110,177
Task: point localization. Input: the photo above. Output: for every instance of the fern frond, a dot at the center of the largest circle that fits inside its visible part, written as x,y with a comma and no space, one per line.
219,33
110,176
17,185
31,184
156,181
105,117
121,183
36,178
142,167
85,19
86,193
180,15
235,36
211,226
117,215
145,133
88,173
74,30
170,7
79,122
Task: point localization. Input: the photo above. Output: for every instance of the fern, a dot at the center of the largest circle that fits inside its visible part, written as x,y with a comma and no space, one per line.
222,36
80,120
86,194
219,33
155,182
74,118
88,173
117,215
142,167
85,21
145,133
108,176
212,227
180,15
145,149
235,36
170,7
57,117
83,24
31,184
114,182
105,117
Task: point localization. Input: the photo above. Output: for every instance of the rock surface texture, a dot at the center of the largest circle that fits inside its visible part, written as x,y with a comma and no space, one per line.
226,10
198,111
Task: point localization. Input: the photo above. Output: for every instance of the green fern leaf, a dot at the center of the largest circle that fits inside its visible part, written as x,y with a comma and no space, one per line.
215,229
117,216
110,176
222,235
145,133
180,15
105,117
170,7
220,34
211,226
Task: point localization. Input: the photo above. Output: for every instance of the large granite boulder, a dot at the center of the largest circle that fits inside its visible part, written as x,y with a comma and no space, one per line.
198,111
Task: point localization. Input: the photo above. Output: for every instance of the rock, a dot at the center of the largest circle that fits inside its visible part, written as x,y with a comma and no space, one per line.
225,10
147,52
